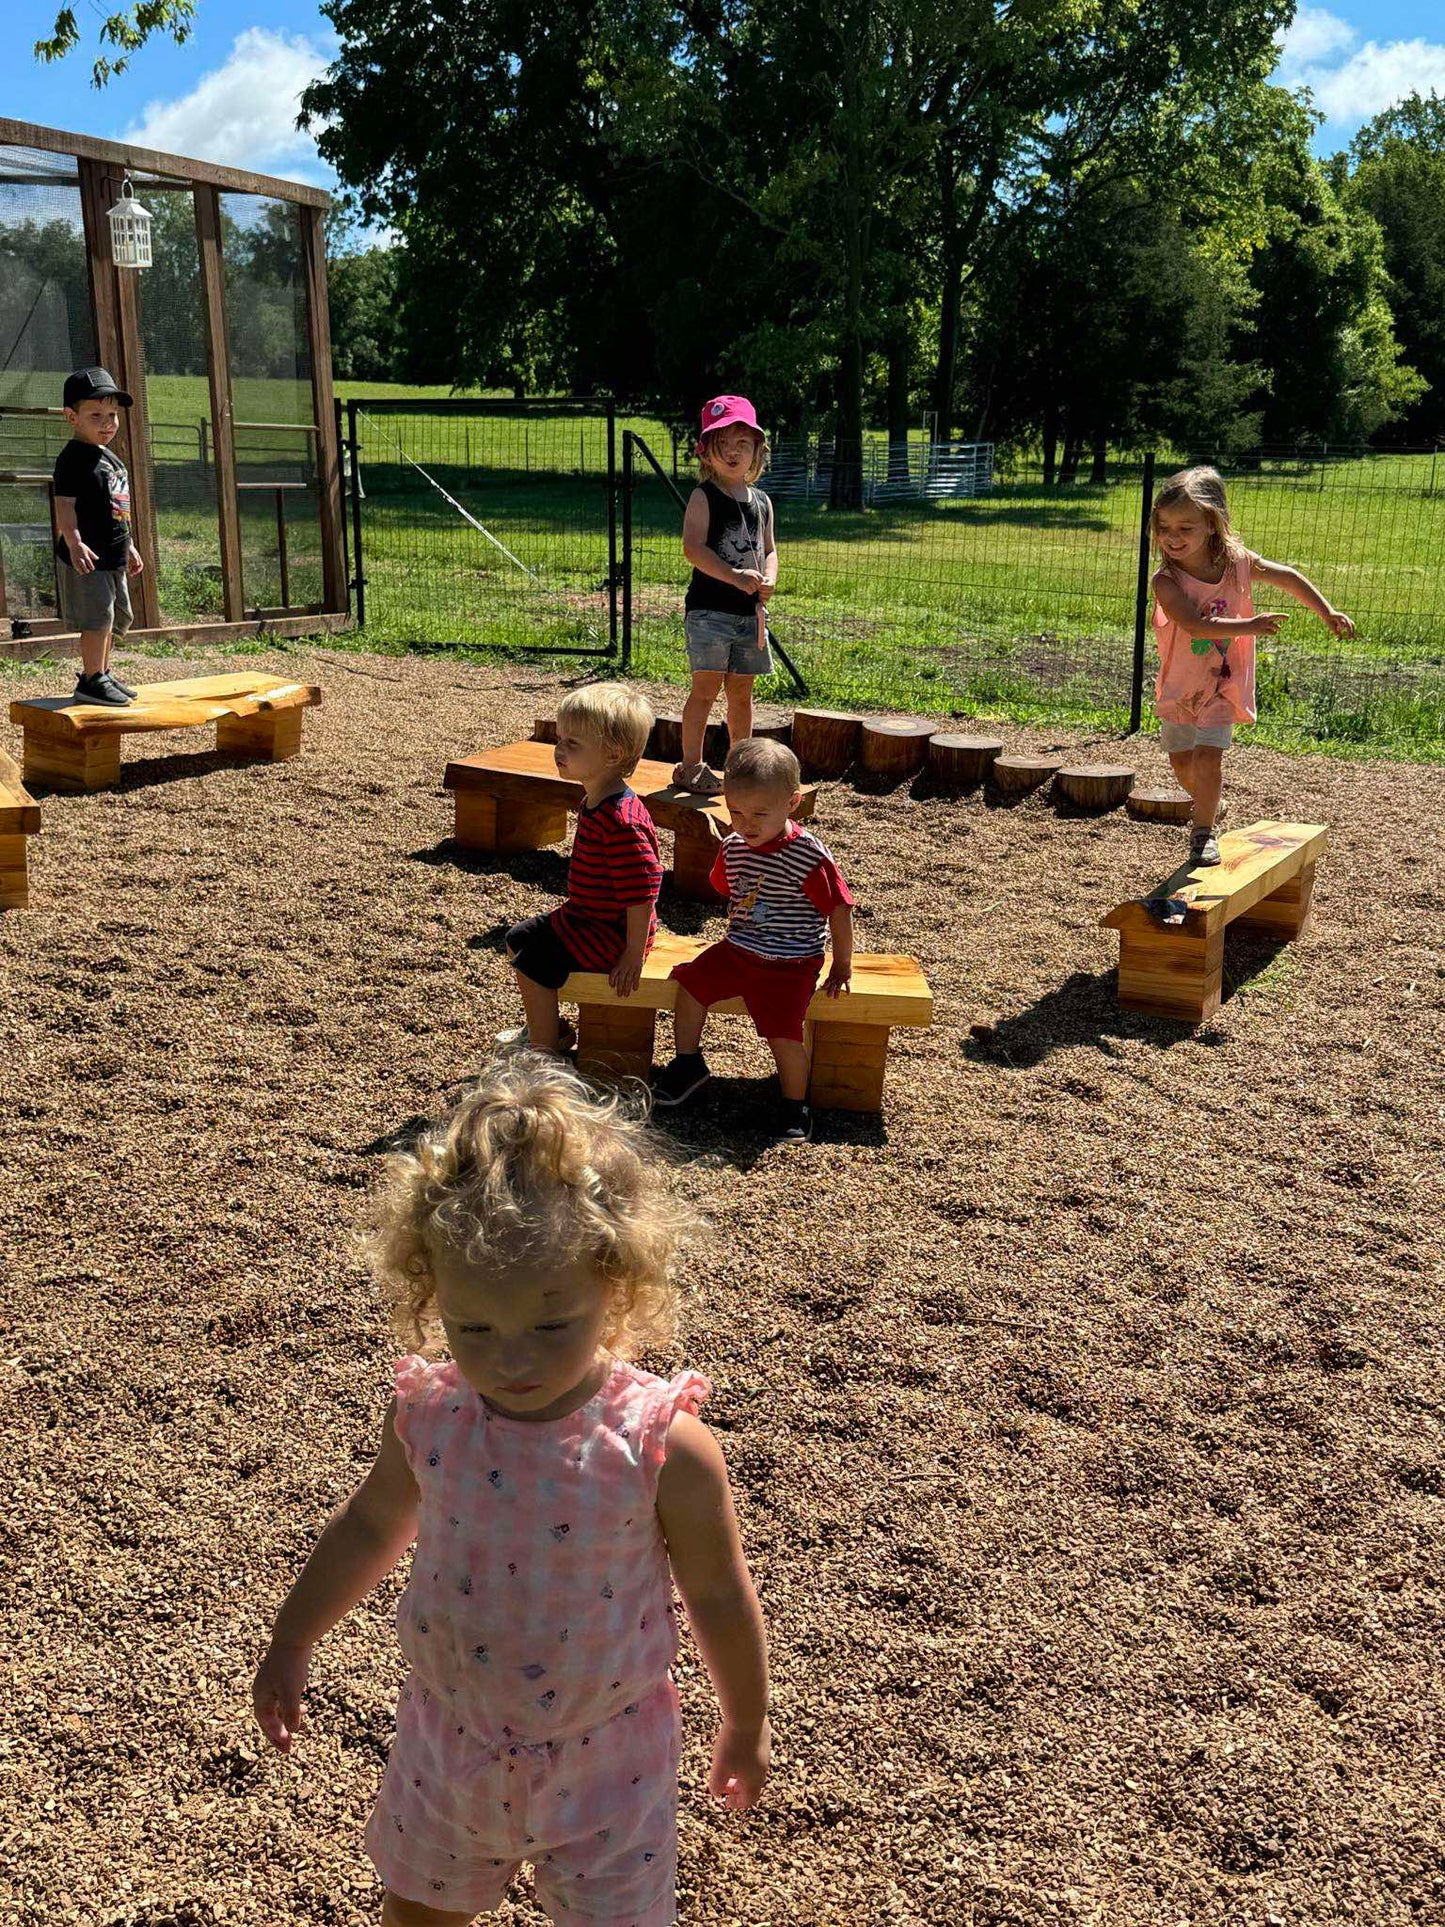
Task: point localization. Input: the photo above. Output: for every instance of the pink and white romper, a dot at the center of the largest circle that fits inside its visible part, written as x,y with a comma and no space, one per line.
1207,686
539,1720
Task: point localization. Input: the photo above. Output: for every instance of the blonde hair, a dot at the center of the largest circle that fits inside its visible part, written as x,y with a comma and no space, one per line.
613,715
1202,488
760,763
529,1167
762,453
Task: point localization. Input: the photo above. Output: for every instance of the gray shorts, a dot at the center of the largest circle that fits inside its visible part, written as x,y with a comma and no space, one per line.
100,600
1177,738
718,642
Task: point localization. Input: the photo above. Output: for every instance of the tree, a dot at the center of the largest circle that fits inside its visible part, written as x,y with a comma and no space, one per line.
127,31
366,340
1395,172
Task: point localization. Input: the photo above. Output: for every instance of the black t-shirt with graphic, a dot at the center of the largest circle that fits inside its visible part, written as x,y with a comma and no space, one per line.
97,481
737,534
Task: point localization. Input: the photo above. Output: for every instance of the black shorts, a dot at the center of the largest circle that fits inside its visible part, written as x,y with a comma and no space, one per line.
539,953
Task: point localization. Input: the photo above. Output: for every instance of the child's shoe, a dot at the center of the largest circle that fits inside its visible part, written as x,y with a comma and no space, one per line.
697,779
1203,848
101,689
676,1082
124,687
795,1121
517,1038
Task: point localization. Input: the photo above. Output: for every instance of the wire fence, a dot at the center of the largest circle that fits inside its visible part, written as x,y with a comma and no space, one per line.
519,526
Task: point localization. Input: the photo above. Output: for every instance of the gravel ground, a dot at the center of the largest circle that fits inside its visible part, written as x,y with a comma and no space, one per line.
1084,1410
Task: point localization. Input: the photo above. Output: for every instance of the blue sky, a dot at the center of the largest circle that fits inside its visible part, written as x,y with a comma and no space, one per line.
230,93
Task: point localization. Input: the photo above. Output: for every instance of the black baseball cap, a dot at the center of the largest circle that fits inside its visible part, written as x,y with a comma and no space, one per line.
92,384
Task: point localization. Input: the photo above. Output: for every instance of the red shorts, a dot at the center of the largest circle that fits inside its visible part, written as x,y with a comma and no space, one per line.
776,991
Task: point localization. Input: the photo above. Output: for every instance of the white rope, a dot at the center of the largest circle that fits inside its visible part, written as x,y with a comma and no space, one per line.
464,513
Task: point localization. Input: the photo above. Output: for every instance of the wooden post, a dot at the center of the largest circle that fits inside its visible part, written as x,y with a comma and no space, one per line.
83,763
281,555
328,455
1017,775
1169,971
1094,786
891,751
14,875
846,1065
218,369
695,842
261,739
1286,912
958,763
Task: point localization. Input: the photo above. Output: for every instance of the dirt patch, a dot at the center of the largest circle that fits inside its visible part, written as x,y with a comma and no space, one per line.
1085,1411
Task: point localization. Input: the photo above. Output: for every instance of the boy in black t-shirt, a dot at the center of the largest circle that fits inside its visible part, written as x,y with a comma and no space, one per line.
92,513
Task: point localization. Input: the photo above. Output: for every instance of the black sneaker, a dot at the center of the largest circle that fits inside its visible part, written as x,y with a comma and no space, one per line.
676,1082
101,689
124,687
795,1121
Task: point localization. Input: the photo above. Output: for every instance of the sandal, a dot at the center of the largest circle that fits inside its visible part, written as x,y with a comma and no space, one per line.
697,779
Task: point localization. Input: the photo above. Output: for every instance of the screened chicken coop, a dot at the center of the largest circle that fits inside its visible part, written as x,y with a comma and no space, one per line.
223,341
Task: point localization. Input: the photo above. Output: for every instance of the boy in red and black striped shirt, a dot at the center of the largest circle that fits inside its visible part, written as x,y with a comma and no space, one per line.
608,920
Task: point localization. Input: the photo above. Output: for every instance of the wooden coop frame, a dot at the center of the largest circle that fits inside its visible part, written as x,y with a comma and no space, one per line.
102,165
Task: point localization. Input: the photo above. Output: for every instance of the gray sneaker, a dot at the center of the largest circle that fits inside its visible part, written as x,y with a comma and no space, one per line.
1204,848
101,689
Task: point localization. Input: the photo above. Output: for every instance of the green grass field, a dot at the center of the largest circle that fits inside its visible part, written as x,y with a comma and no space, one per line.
1015,604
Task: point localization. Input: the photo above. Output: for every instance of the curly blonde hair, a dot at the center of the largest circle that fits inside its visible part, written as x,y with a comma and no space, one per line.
1202,488
530,1167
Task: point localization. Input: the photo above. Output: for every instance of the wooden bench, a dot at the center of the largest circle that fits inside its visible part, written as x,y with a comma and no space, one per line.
1263,881
19,819
847,1036
76,746
513,799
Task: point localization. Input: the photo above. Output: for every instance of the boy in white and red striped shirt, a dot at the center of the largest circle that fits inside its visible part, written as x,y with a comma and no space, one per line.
785,895
610,915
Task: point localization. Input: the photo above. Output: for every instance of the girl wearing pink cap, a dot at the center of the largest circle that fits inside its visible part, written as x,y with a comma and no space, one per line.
554,1493
728,537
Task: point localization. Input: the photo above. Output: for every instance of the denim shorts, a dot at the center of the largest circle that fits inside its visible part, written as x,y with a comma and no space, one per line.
717,642
100,600
1178,738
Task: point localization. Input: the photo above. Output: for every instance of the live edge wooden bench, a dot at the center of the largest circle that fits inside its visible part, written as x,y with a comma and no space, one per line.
513,799
1263,882
19,819
847,1036
76,746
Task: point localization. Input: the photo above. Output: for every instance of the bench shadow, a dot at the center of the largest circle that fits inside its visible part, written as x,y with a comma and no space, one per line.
149,772
1084,1009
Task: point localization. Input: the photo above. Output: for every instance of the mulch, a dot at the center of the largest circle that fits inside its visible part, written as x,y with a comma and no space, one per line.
1085,1410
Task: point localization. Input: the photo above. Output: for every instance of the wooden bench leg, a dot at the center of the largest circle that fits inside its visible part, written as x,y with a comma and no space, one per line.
14,877
615,1042
493,823
1286,911
846,1067
1167,972
78,763
694,851
265,738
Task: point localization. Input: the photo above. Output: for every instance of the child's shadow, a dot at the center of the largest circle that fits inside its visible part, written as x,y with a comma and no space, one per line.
1084,1009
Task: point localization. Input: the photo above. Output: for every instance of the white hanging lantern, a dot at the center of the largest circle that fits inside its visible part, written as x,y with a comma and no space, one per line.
130,230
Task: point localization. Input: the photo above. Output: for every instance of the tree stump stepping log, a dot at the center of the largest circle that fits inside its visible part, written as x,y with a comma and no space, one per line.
1017,775
958,763
664,745
544,730
1158,806
825,741
1094,786
892,749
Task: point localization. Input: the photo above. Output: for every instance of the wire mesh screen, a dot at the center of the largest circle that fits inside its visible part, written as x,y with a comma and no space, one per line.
46,329
1007,601
487,524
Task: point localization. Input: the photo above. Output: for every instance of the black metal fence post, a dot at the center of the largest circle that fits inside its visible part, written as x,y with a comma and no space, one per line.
358,578
612,523
1141,594
628,477
345,503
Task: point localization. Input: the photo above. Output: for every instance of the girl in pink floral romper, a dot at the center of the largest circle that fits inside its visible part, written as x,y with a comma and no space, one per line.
1205,623
554,1492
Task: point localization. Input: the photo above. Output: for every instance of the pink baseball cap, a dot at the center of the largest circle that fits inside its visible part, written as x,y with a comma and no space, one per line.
729,411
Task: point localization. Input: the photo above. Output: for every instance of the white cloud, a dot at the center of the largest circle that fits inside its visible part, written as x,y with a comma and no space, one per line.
1351,81
243,113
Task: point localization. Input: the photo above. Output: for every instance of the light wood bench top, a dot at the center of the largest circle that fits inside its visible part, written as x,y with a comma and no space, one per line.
886,990
528,770
19,811
1253,863
194,701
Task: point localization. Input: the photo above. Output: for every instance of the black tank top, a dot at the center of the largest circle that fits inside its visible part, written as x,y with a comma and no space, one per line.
736,534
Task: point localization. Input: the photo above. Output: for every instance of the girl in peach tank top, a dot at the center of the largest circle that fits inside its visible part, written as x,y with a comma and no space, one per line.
555,1493
1205,624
